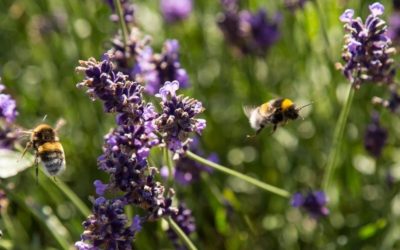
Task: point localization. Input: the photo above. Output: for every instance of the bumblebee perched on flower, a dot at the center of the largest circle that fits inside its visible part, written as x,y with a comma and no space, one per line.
275,112
48,149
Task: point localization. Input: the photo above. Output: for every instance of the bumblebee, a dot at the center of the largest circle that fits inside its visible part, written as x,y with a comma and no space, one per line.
275,112
48,149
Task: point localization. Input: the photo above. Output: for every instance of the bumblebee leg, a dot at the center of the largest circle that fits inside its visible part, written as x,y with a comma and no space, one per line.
257,132
28,145
274,128
36,164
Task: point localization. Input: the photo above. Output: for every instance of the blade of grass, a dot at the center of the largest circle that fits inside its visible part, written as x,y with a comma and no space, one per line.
255,182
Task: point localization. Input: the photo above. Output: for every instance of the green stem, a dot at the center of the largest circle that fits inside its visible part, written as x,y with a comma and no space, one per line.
85,211
122,23
255,182
181,234
323,28
337,139
170,164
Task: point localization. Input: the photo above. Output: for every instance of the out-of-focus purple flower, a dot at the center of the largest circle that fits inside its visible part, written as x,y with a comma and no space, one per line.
392,104
185,220
396,5
186,170
250,33
128,10
314,203
375,137
108,227
155,69
367,50
126,57
8,107
8,136
390,179
177,120
393,31
3,200
294,5
176,10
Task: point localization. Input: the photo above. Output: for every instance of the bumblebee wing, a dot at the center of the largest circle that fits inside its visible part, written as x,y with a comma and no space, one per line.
248,110
11,163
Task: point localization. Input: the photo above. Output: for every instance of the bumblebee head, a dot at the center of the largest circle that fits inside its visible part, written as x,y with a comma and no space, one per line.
289,109
44,133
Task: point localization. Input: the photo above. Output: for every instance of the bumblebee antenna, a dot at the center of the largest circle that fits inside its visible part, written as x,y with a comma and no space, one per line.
60,123
309,104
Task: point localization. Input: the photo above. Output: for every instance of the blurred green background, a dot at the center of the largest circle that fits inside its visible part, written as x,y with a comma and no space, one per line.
41,43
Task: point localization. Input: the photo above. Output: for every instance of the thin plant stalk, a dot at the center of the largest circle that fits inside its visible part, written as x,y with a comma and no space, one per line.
124,29
170,165
337,139
189,244
255,182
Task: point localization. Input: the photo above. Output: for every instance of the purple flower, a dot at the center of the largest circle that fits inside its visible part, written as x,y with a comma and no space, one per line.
155,69
100,187
249,33
186,170
125,57
375,137
314,203
393,31
367,51
107,227
185,220
8,107
118,93
124,158
175,10
294,5
128,10
80,245
177,120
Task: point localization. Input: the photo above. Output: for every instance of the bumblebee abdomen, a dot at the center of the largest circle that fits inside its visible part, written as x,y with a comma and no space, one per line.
52,156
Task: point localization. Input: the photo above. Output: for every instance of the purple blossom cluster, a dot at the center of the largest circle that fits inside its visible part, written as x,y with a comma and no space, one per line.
174,11
128,10
126,149
367,50
8,107
156,69
294,5
313,202
108,227
186,170
8,114
185,220
249,33
177,120
375,137
142,65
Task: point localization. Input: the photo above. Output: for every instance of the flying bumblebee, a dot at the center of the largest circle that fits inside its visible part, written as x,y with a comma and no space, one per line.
275,112
48,149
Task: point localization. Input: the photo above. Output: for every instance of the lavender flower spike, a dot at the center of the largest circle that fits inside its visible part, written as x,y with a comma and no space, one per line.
375,137
314,203
367,50
177,119
176,10
108,227
8,110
